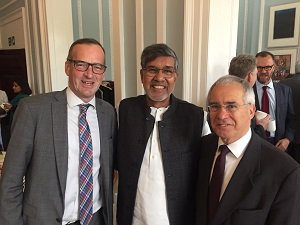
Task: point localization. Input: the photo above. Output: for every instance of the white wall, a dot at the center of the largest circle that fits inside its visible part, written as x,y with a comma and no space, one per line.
60,37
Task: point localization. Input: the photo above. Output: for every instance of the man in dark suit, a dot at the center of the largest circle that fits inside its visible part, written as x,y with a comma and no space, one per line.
294,84
244,66
44,150
159,138
243,179
280,101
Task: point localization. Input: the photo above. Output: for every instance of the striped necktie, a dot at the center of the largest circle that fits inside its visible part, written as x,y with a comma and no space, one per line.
86,168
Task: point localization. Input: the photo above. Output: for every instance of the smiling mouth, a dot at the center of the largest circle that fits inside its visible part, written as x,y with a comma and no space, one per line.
224,125
88,82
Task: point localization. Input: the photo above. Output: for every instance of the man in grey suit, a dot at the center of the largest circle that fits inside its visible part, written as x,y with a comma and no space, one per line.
44,149
249,181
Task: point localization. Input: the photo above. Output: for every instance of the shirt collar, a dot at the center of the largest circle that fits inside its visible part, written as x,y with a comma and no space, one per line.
260,85
238,147
73,100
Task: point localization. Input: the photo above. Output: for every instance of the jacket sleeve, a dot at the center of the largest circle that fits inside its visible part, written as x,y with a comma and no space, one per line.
286,205
16,161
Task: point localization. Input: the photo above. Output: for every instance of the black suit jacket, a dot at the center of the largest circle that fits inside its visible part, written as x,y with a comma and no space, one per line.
264,189
285,114
180,132
294,84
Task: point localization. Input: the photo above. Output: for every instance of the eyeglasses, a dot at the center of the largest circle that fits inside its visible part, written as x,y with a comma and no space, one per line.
152,71
83,66
266,68
231,107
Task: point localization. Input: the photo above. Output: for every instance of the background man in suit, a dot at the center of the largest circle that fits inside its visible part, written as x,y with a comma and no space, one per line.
158,147
44,148
280,101
259,184
244,66
294,84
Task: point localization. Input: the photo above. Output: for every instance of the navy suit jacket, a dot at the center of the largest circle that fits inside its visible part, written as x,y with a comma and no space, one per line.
263,190
294,83
285,114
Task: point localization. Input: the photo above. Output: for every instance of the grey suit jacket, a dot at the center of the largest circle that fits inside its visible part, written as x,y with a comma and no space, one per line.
38,150
264,189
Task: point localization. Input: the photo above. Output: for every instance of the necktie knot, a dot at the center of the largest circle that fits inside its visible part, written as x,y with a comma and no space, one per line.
265,87
224,150
83,108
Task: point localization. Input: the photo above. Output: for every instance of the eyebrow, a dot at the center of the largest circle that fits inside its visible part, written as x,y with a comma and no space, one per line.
225,103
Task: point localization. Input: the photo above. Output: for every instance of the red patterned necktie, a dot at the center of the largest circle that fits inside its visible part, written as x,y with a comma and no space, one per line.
216,182
265,104
265,100
86,168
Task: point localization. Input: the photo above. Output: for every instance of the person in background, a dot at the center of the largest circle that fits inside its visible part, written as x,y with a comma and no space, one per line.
158,147
244,66
278,100
294,84
243,179
3,97
3,113
62,143
21,90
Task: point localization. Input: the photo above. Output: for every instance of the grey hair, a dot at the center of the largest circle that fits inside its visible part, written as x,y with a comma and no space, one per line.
242,65
151,52
249,97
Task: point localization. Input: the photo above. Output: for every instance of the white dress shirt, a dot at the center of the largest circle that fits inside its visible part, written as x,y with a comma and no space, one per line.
71,200
237,150
272,100
150,204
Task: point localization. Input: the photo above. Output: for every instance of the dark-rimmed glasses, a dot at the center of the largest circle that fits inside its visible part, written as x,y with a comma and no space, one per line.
152,71
266,68
83,66
230,107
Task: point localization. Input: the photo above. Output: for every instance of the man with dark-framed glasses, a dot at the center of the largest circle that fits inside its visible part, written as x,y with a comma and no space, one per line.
274,99
62,143
158,147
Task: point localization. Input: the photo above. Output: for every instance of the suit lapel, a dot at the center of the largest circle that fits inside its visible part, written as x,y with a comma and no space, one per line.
241,182
256,98
205,165
278,98
60,137
102,122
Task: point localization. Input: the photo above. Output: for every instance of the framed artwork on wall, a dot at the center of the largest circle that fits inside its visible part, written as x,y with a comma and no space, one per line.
285,60
284,25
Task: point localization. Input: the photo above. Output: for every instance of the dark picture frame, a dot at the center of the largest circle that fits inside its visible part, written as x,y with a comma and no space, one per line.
284,25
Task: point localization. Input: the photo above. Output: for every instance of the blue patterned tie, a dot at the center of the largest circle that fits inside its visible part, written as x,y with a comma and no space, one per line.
86,168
